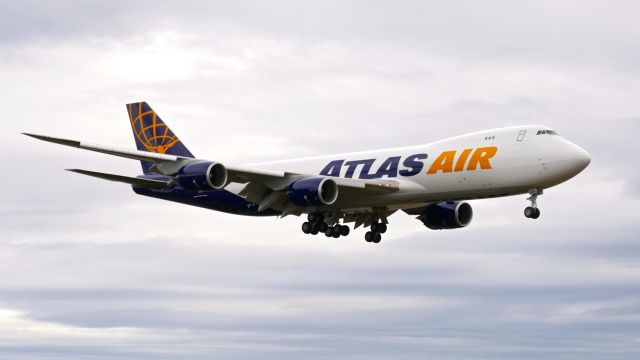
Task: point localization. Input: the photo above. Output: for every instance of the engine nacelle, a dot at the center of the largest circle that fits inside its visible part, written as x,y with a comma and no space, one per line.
202,176
313,192
447,215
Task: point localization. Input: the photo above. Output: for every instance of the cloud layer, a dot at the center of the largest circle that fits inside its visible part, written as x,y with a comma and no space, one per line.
91,270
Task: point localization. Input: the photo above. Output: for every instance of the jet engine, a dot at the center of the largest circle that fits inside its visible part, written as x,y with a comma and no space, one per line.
202,176
313,192
447,215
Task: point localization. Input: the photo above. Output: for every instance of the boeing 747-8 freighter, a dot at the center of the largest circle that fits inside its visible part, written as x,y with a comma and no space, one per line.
429,181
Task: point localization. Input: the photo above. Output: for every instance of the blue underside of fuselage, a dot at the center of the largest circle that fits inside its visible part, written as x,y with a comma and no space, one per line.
219,200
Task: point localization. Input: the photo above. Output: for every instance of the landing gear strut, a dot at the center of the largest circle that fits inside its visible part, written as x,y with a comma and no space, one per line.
532,212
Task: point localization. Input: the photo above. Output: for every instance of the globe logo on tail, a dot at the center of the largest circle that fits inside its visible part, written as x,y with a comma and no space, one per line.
150,131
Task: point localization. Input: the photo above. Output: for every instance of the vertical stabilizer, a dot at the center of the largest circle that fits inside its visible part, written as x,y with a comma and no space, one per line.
152,134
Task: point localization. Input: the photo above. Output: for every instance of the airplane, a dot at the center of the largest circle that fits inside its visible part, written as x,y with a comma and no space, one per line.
432,182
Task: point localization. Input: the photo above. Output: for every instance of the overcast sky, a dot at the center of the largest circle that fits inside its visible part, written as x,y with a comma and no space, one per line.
90,270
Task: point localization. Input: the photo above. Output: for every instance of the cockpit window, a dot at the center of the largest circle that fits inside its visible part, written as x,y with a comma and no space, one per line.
546,132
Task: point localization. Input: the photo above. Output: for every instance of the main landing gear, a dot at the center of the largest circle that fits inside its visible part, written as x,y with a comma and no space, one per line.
532,212
374,236
316,225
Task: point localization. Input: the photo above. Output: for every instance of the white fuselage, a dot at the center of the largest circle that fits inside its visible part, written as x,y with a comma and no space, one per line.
492,163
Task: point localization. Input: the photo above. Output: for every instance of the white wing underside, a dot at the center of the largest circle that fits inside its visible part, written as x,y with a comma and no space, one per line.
261,186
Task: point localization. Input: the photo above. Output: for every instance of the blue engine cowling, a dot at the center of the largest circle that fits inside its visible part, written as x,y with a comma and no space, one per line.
447,215
313,192
202,176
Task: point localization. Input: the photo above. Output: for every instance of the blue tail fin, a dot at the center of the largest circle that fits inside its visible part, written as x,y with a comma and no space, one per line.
152,134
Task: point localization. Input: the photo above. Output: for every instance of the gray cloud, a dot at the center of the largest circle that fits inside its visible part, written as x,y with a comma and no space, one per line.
91,270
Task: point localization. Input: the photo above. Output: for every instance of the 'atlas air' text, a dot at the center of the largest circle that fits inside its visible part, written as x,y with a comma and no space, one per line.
446,162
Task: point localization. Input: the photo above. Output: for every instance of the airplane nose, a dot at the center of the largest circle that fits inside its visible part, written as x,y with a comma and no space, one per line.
580,159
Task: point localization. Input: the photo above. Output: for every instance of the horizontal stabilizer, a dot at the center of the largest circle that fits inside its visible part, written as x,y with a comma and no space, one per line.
146,183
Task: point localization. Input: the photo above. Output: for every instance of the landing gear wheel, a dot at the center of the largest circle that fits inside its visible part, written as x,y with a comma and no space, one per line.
306,227
315,218
536,214
529,212
344,230
532,212
335,231
315,229
328,232
323,227
382,228
312,217
373,237
368,237
374,226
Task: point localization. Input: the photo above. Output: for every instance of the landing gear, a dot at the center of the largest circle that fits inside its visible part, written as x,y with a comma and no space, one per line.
315,217
532,212
337,230
379,227
306,227
320,223
374,235
317,224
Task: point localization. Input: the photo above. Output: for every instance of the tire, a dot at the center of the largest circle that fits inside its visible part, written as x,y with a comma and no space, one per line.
323,227
344,230
536,214
374,226
376,238
306,227
314,229
328,232
529,212
312,217
368,236
382,228
335,231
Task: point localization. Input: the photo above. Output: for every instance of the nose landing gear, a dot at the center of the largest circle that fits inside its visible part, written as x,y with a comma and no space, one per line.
532,212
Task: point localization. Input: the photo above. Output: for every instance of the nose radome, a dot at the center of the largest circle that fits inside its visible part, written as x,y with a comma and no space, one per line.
580,158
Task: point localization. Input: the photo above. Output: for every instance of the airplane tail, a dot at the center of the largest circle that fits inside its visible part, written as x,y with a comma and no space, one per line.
152,134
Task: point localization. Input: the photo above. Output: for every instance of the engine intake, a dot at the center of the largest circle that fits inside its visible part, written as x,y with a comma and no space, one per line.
203,176
313,192
447,215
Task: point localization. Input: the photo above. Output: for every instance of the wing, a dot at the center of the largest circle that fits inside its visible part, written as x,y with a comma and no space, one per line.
261,186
